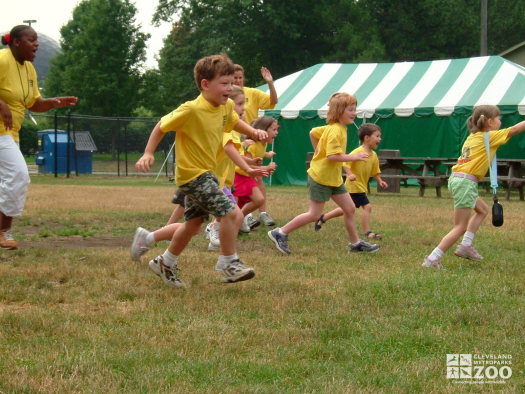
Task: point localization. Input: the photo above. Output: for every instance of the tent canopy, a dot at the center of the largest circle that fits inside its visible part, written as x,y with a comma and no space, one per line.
439,87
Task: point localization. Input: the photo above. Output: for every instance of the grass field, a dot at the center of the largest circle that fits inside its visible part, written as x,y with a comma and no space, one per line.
76,315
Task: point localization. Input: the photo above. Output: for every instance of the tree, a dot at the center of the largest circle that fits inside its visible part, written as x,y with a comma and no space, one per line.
101,58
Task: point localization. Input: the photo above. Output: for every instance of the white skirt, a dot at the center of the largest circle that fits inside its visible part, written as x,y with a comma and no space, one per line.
14,177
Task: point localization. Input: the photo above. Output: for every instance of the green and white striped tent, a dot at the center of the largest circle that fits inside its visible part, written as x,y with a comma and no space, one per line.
421,107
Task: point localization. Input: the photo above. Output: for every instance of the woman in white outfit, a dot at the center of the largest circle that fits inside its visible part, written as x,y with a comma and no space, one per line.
18,92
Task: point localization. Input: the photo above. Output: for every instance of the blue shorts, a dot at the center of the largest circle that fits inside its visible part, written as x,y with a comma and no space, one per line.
359,199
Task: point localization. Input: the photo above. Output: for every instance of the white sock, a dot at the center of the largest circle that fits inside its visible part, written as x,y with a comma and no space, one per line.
150,239
169,258
357,243
262,212
227,259
468,238
436,254
282,232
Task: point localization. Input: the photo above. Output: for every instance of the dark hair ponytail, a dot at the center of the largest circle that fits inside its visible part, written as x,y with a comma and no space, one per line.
16,32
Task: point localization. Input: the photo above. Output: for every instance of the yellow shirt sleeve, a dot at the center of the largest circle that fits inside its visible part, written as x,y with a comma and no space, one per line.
255,100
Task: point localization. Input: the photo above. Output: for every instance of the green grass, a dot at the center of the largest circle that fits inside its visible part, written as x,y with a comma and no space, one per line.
86,319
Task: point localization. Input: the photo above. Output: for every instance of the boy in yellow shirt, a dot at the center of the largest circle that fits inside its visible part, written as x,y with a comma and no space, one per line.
200,125
358,173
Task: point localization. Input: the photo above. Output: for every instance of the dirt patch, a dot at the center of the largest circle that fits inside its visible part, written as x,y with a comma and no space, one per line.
78,242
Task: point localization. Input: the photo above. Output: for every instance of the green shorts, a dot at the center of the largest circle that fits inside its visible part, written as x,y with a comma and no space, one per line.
464,191
323,193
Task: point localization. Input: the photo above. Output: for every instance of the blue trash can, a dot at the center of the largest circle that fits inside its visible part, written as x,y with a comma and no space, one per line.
81,147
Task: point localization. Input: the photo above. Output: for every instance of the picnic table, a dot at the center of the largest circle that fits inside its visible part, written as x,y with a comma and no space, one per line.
510,176
428,171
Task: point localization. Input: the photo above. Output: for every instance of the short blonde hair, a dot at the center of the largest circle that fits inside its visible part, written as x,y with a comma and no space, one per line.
236,92
211,67
337,105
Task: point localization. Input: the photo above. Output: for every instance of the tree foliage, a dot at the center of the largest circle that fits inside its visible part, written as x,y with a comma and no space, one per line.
289,36
101,58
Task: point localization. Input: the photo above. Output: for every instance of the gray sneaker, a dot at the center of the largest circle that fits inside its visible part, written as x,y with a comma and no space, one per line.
139,245
427,263
167,274
468,252
363,246
281,241
245,228
266,219
252,221
234,271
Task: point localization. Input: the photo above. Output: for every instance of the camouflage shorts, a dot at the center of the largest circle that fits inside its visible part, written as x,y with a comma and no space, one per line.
204,197
178,198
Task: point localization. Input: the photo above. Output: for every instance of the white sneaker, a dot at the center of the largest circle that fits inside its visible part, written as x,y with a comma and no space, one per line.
214,235
234,271
166,273
212,247
245,227
427,263
252,221
207,230
266,219
139,245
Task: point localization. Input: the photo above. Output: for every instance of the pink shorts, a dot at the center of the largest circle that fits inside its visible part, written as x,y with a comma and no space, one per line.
243,189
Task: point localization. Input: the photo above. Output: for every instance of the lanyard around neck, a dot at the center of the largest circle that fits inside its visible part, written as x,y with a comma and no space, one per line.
493,166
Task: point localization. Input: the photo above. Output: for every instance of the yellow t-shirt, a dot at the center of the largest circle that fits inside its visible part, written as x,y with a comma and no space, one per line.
225,169
317,132
200,127
18,89
473,159
257,149
255,100
363,170
332,142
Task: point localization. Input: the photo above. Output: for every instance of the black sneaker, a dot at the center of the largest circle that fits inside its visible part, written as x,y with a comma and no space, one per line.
363,246
167,274
281,241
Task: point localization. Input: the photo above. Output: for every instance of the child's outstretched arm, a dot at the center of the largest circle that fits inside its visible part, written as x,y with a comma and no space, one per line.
517,128
244,128
234,156
267,76
146,161
361,156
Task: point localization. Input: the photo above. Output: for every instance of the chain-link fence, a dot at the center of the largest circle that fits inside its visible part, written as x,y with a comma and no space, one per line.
109,146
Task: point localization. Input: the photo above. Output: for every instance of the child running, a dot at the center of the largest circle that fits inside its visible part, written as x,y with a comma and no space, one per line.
324,177
256,100
227,156
358,173
471,167
249,195
200,125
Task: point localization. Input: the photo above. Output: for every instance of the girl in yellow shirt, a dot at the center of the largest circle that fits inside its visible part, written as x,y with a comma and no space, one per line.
324,177
472,165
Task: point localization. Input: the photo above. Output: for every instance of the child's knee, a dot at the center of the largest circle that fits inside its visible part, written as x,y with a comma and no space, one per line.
234,216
